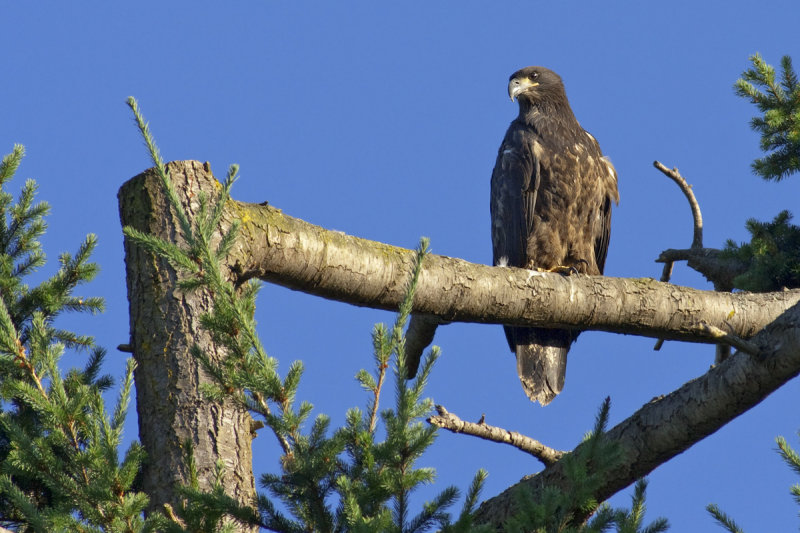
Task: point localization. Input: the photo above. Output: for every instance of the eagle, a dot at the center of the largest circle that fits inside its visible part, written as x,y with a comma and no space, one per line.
551,196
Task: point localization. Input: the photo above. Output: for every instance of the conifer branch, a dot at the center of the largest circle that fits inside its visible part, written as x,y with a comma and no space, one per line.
382,355
779,124
723,519
10,163
451,422
163,173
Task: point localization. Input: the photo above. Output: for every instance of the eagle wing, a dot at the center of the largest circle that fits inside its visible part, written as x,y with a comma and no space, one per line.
514,187
608,177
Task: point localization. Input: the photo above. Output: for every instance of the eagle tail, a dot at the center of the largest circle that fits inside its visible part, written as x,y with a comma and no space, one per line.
541,360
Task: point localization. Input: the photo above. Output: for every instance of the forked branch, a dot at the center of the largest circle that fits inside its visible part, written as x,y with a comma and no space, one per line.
708,261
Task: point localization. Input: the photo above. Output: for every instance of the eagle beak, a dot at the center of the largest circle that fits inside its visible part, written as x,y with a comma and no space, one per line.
518,85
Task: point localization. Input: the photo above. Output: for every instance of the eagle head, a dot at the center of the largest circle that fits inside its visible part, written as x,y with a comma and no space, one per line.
535,84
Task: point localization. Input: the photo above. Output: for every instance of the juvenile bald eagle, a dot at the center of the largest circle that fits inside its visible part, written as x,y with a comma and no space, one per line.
551,191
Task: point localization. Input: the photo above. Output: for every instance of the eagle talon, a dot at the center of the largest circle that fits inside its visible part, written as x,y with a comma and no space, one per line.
564,270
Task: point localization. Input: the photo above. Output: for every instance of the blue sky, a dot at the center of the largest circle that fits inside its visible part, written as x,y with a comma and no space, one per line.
383,121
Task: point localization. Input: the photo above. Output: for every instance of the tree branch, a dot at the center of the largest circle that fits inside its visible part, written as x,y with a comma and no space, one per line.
290,252
721,271
670,424
419,335
732,340
452,422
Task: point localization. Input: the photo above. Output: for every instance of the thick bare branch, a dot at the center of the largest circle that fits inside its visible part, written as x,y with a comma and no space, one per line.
697,217
288,251
447,420
670,424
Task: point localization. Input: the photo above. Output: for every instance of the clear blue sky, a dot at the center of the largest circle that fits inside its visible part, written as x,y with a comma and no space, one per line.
383,121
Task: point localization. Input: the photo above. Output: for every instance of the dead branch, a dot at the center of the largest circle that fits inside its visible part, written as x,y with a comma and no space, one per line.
419,335
674,175
452,422
719,270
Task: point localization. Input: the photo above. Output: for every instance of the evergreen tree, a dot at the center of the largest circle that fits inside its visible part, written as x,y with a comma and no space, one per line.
60,467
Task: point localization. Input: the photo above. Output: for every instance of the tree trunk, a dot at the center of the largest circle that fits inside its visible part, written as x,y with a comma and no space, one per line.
165,323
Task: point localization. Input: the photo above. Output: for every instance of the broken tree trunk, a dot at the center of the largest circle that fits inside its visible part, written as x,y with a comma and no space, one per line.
165,323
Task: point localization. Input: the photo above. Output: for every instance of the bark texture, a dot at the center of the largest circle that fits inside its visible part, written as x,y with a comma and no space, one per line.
164,325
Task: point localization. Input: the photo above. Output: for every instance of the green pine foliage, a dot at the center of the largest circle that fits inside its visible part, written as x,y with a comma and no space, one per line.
60,468
356,478
779,125
632,521
723,519
563,509
773,253
792,459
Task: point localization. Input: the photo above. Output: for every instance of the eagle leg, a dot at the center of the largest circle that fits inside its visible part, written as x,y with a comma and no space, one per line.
565,270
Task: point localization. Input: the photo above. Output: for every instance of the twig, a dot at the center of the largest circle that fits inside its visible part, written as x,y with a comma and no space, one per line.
453,423
265,411
674,175
170,512
373,416
731,340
